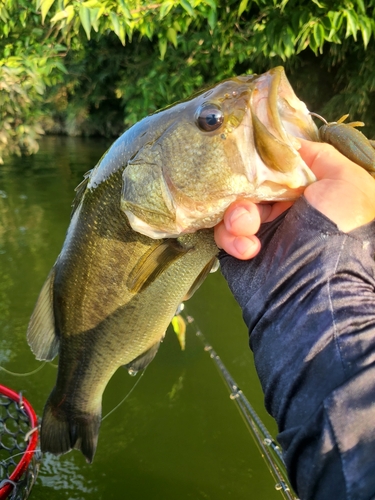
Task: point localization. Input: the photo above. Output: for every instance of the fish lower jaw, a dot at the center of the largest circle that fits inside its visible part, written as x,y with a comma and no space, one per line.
186,222
146,229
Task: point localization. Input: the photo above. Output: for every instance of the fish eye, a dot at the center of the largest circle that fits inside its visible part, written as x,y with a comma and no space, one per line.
209,117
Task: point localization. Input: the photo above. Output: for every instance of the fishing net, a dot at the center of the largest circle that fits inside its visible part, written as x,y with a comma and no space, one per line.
19,458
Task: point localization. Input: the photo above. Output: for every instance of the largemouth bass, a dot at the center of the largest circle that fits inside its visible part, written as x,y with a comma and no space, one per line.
140,242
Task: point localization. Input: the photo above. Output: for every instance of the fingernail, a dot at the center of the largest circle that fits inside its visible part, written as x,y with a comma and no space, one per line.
242,244
240,215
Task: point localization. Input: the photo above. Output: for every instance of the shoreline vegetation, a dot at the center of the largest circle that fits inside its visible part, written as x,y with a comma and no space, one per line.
96,67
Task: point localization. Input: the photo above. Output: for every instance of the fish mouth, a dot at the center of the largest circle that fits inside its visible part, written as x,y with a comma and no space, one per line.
278,119
275,104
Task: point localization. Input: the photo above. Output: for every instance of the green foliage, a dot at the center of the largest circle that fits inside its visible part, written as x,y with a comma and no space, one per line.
100,65
30,63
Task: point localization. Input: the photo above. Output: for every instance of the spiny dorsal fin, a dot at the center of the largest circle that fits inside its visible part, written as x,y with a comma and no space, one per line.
80,191
201,277
143,360
41,334
153,263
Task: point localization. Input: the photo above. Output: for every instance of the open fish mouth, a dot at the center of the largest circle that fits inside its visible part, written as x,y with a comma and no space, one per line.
278,119
275,104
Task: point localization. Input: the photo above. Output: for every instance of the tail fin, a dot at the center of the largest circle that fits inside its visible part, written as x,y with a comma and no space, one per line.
64,428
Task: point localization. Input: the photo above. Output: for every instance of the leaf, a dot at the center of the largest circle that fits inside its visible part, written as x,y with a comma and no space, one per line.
318,33
84,14
122,33
4,16
91,4
165,8
288,39
336,19
59,65
172,36
366,29
162,47
189,9
124,9
212,18
94,17
319,4
115,22
45,6
352,23
361,6
211,3
59,16
306,38
70,10
242,7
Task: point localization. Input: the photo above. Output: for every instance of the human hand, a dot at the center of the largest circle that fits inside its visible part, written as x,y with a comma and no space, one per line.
344,192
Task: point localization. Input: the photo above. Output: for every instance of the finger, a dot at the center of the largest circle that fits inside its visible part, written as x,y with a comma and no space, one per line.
329,164
277,209
241,247
325,161
242,218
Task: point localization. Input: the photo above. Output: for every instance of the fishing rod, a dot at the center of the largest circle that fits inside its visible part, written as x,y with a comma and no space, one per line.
267,446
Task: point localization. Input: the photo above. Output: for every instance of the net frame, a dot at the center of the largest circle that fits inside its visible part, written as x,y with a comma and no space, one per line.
28,457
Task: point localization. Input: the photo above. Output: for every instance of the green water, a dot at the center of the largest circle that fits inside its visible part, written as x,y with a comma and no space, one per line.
178,435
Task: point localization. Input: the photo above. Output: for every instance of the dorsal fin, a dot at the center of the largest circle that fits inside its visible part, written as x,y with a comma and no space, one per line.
80,191
153,263
41,333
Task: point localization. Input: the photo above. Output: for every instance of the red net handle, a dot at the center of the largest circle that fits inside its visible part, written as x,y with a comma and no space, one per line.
33,440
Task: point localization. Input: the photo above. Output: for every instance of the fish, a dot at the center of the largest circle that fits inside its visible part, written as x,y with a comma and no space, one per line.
140,239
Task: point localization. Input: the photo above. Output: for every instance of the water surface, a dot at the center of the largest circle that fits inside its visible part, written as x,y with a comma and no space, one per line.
178,435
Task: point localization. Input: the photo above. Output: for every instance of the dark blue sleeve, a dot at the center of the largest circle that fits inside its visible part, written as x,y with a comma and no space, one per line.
309,303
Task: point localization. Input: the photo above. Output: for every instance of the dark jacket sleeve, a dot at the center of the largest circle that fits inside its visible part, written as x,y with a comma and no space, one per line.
309,303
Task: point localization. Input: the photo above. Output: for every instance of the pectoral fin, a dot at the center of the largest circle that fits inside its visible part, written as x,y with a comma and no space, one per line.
41,333
153,263
201,277
143,360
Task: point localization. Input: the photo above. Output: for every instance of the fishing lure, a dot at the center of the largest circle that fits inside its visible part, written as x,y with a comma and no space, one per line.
349,141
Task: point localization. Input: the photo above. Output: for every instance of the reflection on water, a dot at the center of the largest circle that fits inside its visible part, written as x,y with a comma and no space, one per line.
64,475
178,434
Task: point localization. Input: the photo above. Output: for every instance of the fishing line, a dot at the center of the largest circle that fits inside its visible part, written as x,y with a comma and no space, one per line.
267,446
37,450
126,397
14,374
